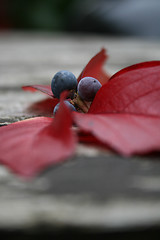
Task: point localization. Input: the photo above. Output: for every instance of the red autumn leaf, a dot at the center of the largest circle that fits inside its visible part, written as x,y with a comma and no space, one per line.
43,88
135,89
125,133
136,66
29,146
94,68
43,108
89,139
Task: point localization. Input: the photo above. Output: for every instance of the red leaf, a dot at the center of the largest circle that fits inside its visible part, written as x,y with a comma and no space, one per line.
94,68
136,66
135,89
43,108
43,88
29,146
125,133
90,140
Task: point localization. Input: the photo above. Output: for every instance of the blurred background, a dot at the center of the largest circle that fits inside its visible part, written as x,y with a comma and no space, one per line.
111,17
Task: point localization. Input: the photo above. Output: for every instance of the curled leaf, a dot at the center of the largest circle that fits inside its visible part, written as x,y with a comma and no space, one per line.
125,133
43,108
29,146
94,68
43,88
135,89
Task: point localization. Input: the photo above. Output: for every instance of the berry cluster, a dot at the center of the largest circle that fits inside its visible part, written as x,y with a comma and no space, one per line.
80,94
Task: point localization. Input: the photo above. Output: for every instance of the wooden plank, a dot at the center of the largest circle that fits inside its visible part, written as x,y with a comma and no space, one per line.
95,190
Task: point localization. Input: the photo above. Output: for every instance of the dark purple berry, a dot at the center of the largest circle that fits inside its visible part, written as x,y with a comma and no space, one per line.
63,80
88,87
68,104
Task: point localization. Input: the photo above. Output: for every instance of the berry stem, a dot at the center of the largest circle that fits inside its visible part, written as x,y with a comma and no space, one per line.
78,102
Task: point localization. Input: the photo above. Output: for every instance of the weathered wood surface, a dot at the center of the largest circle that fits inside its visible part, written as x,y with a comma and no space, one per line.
96,190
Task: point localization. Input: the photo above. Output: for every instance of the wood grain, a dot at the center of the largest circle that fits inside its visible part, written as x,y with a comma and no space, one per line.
95,189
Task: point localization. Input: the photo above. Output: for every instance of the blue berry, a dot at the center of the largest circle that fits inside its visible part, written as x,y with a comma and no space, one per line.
88,87
68,104
63,80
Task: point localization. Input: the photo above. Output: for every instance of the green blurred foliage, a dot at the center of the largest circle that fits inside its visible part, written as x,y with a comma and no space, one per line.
39,14
112,17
